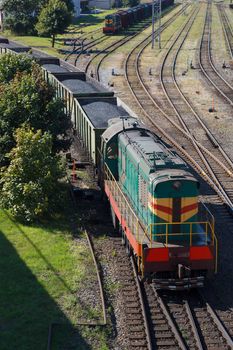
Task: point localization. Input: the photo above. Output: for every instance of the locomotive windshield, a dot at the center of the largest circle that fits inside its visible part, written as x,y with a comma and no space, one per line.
108,21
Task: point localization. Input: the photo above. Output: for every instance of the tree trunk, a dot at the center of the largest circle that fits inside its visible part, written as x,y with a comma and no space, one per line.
53,40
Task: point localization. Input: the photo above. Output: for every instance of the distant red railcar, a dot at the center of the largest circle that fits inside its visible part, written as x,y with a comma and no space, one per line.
123,19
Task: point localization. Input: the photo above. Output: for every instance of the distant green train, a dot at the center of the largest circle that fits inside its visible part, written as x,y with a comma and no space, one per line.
154,201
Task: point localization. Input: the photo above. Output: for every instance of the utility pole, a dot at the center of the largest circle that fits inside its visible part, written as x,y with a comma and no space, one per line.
156,18
1,20
153,24
183,7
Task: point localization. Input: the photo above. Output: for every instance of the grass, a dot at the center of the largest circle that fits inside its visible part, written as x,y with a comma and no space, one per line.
41,270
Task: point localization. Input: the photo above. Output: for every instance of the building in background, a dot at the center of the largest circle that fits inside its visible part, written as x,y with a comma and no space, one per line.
102,4
77,7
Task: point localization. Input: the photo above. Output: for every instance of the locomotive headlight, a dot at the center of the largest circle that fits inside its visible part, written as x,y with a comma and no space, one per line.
176,185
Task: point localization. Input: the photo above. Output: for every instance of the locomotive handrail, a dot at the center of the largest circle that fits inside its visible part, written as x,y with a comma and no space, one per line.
191,233
136,225
109,176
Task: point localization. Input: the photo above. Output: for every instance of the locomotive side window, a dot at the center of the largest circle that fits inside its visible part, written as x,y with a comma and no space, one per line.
143,193
123,162
112,151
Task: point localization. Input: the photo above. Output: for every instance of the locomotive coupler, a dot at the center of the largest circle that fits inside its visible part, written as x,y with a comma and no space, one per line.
183,271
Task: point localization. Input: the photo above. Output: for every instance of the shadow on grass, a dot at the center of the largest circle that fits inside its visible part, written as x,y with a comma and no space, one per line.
26,309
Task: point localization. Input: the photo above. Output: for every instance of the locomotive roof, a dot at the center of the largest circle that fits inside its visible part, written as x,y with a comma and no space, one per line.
100,112
144,144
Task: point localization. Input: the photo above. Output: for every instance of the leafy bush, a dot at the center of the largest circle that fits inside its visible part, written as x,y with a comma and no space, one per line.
11,64
28,98
30,185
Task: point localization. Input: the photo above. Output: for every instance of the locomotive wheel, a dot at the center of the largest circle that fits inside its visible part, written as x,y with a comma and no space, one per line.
123,238
115,220
128,248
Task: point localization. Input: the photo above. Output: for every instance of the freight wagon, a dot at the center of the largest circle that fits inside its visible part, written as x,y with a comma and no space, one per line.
124,18
152,194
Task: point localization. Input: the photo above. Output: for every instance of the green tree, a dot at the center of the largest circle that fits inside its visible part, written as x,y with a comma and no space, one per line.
29,99
69,4
30,185
54,18
130,3
11,64
20,15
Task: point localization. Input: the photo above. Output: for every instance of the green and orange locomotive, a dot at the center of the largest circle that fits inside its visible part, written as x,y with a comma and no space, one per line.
154,202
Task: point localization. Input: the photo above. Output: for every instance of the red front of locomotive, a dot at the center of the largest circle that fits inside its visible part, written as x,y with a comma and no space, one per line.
112,24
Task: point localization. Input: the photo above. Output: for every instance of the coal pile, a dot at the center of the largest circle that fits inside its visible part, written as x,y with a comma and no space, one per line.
79,86
100,112
54,68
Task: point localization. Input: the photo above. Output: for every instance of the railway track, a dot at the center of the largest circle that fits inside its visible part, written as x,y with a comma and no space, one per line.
192,123
82,322
228,31
102,54
165,328
154,110
184,321
133,300
206,62
86,42
106,51
113,48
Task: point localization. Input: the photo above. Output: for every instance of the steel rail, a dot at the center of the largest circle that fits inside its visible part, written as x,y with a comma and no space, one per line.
120,43
193,325
84,322
205,54
181,114
138,333
112,47
228,32
82,38
169,320
99,278
161,130
207,131
220,325
90,244
89,45
216,320
146,323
